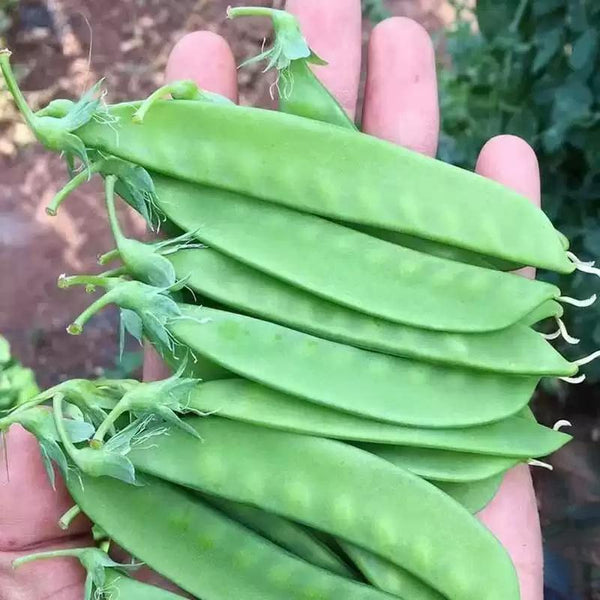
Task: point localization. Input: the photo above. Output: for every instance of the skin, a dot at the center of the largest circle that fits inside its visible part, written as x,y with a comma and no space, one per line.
400,106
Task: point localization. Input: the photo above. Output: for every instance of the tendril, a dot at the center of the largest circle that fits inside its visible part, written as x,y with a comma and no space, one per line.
579,303
583,266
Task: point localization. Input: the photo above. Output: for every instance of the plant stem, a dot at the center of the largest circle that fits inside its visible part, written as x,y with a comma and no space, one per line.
66,282
109,187
251,11
72,185
109,256
65,521
76,327
13,87
108,423
69,552
60,426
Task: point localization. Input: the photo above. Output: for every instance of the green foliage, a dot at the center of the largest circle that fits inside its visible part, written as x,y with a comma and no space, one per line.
17,384
532,72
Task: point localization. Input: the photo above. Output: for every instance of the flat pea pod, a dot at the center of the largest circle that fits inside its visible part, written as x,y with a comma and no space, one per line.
126,588
517,349
324,169
442,250
283,532
473,495
387,388
314,481
249,402
389,577
208,554
546,310
443,465
395,283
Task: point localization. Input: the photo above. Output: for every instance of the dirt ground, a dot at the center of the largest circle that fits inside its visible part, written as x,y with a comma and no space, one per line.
130,41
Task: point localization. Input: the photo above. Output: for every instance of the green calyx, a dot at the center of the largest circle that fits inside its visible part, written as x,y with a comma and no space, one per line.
54,126
144,262
133,183
158,400
40,422
289,45
145,310
111,459
94,560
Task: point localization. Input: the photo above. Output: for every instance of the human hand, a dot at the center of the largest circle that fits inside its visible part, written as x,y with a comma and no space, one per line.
400,106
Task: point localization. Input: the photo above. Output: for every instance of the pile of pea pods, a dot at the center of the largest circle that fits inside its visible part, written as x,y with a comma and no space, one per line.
352,358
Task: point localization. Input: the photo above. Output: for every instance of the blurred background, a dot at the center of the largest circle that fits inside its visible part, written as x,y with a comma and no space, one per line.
527,67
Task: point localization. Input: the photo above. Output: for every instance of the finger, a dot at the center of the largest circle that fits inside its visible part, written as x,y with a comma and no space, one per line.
29,514
206,58
333,30
512,515
401,103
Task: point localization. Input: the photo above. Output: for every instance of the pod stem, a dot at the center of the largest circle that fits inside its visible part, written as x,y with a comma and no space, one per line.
87,280
109,256
15,90
251,11
65,521
98,440
109,188
60,426
72,185
76,327
68,552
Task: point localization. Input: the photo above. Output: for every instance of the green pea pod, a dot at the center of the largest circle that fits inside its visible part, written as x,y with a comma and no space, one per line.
290,536
388,576
395,283
200,549
245,401
517,349
387,388
300,91
473,495
442,465
392,513
363,180
120,586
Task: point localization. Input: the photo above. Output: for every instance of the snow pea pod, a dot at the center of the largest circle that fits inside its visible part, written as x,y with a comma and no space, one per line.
473,495
442,465
388,576
384,280
283,532
324,169
245,401
387,388
206,554
120,586
517,349
314,481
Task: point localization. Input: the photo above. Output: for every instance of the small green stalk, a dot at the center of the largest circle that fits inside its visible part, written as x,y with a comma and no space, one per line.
69,552
107,257
65,521
57,402
73,184
13,88
108,424
251,11
109,187
185,89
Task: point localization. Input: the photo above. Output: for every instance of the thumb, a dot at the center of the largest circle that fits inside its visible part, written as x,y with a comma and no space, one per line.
29,514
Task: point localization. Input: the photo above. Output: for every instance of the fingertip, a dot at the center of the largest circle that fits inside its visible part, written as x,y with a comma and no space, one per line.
401,102
511,161
206,58
333,29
